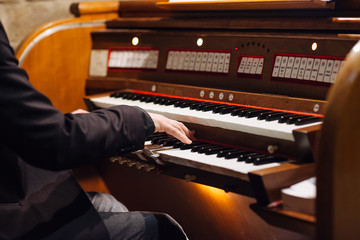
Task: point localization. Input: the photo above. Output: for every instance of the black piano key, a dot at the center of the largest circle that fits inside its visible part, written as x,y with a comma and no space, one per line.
129,96
307,120
150,137
188,104
200,106
118,94
238,111
251,157
222,153
255,113
189,146
186,146
157,137
142,98
268,159
167,101
147,98
159,100
264,115
135,97
178,103
235,154
163,140
170,142
157,140
197,147
244,112
244,156
124,96
275,116
210,107
228,109
203,149
293,119
284,118
194,105
217,109
183,103
216,150
170,101
179,144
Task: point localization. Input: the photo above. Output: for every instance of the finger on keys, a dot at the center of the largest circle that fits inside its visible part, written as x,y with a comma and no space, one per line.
172,127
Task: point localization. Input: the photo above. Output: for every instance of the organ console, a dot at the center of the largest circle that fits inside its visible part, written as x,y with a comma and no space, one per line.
251,78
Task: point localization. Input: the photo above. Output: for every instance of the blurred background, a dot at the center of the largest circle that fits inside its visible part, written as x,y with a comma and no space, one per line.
21,17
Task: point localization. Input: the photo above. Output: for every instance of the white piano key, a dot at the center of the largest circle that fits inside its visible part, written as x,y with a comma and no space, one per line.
211,162
248,125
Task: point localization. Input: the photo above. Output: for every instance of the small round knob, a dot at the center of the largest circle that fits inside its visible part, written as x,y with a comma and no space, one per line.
272,148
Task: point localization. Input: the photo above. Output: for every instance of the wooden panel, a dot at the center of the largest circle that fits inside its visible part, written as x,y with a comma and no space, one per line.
338,194
294,221
244,5
238,44
56,58
206,213
252,99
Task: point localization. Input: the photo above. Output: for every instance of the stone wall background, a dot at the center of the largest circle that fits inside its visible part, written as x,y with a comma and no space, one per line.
21,17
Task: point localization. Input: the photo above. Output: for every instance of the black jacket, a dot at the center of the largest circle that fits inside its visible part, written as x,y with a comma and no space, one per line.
38,143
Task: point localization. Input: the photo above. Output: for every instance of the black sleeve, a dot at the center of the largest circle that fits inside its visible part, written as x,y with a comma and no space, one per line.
47,138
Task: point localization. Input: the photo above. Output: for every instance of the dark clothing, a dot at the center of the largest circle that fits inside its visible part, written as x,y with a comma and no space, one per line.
36,140
134,225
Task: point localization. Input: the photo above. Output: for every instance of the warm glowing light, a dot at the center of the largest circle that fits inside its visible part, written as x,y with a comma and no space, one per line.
200,42
314,46
219,196
135,41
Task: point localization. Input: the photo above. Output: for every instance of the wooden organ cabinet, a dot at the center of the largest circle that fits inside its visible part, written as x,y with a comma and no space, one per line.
252,78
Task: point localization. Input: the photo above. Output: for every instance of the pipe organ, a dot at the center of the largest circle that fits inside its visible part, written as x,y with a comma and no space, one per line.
252,79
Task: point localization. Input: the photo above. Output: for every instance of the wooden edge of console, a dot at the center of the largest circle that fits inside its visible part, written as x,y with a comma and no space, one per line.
306,140
98,95
37,32
95,21
267,183
83,8
294,221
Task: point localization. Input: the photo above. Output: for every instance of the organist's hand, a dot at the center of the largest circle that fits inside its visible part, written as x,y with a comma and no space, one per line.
79,111
172,127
